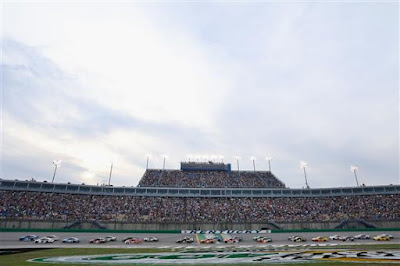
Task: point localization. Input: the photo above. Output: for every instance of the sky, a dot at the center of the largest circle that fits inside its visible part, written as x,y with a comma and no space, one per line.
100,83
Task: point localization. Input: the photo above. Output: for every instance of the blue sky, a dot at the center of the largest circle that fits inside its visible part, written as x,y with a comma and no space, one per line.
94,83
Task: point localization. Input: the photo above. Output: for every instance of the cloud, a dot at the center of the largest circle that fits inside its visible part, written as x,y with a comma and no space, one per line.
94,83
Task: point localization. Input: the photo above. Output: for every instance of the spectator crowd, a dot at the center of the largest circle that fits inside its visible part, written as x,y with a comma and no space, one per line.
68,207
209,179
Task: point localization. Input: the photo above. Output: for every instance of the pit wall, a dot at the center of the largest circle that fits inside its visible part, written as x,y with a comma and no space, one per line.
169,227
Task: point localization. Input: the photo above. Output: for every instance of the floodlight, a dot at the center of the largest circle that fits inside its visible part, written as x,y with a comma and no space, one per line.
303,164
354,168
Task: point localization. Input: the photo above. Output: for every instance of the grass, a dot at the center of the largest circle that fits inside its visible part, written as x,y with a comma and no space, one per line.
20,259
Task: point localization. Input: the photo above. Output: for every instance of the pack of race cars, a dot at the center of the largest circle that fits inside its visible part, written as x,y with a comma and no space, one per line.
203,239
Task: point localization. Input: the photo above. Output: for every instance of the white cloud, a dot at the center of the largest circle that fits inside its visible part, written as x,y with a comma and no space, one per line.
291,81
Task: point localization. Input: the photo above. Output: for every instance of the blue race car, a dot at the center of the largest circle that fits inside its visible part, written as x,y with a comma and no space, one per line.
28,238
71,240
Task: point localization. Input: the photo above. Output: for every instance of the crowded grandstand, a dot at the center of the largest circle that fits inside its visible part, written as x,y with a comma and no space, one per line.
209,174
197,193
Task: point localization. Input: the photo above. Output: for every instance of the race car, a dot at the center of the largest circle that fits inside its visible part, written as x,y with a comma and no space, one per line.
231,240
55,238
133,240
110,238
28,238
97,241
335,237
127,238
239,238
71,240
381,238
208,241
390,236
150,239
256,238
44,240
297,239
362,236
346,238
264,239
185,239
320,239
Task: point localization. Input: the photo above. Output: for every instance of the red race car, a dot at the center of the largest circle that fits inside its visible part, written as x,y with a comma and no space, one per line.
97,241
208,241
133,240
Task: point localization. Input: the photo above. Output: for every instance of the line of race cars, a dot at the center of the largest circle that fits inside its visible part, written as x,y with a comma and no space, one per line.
202,239
99,240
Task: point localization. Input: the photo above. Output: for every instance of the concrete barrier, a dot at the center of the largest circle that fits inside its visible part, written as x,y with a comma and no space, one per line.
127,226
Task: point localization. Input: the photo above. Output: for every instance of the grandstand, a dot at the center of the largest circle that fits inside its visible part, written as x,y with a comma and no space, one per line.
209,175
205,196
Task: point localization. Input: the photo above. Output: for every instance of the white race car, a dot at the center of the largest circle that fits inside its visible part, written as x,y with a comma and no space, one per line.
110,238
335,237
362,236
150,239
185,239
55,238
44,240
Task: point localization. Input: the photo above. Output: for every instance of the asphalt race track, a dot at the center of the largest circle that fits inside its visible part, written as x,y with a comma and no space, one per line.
10,240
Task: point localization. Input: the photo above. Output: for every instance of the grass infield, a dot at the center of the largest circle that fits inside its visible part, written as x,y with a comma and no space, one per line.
20,259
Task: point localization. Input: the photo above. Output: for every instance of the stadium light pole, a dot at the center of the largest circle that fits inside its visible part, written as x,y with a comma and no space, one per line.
222,158
56,164
354,168
237,161
304,165
254,162
164,157
109,178
269,159
147,160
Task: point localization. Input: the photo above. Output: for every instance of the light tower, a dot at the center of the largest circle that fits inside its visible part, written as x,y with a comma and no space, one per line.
147,160
237,158
254,162
109,178
354,168
56,164
304,165
269,159
164,157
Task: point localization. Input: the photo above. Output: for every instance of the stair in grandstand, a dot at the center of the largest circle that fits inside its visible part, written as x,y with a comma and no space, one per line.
275,225
77,224
355,223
